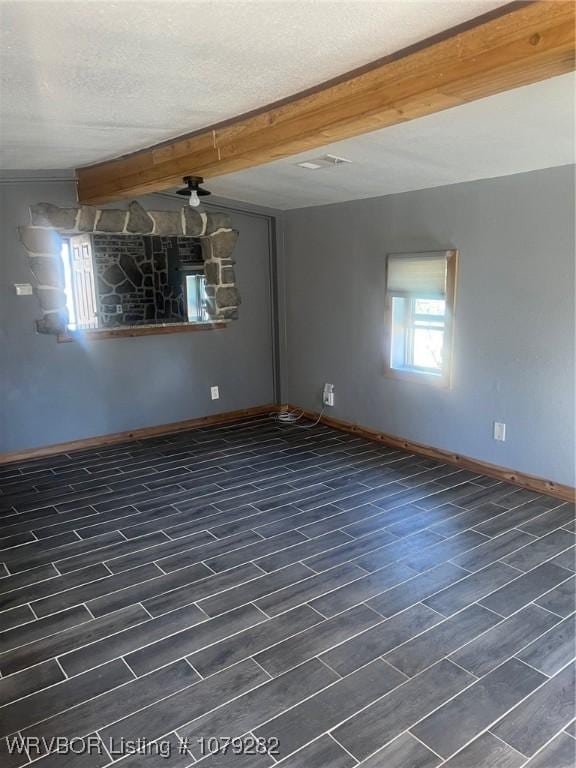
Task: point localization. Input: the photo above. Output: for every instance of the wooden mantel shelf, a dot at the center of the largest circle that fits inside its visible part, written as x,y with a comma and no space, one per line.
138,330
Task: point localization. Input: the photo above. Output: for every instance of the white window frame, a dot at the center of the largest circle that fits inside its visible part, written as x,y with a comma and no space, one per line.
399,326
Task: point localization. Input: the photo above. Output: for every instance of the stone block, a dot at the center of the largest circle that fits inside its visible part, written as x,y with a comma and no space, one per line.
216,221
48,215
86,218
227,275
227,297
212,272
38,240
51,298
111,221
219,246
53,323
139,222
227,314
167,223
130,269
48,270
159,262
125,287
113,275
193,222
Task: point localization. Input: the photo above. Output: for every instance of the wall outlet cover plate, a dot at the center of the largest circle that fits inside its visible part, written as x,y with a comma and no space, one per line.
499,431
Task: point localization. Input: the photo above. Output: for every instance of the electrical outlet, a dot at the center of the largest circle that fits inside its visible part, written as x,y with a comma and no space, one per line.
328,395
499,431
119,309
214,393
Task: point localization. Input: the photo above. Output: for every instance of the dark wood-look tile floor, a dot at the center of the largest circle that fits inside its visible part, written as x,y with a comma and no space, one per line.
304,589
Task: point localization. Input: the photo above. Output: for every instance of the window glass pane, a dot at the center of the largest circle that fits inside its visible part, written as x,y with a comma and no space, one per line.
398,333
192,298
417,334
429,323
196,298
65,254
429,306
427,348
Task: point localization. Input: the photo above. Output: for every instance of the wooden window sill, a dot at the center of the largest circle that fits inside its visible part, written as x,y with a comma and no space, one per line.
98,334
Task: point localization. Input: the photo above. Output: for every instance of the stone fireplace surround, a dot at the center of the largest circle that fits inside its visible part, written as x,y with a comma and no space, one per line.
42,240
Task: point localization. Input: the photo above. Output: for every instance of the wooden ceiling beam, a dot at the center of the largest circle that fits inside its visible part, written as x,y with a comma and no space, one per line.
521,43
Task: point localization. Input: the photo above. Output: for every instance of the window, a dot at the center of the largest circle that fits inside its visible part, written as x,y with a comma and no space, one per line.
196,299
420,291
79,283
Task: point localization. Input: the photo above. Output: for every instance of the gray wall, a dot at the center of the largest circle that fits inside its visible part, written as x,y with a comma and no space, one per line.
53,392
514,337
514,332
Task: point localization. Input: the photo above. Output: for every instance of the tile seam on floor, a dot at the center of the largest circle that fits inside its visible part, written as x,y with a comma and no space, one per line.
500,717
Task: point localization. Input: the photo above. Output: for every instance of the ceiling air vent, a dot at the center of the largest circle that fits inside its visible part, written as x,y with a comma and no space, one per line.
328,161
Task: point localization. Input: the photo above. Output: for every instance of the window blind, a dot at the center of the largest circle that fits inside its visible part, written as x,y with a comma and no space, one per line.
417,274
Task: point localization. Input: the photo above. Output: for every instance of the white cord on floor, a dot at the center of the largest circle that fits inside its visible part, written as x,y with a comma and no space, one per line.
291,417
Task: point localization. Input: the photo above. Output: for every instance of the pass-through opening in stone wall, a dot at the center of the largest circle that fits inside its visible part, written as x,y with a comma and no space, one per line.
43,243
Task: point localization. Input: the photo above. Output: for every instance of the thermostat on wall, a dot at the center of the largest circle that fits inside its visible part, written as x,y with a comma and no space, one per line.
23,289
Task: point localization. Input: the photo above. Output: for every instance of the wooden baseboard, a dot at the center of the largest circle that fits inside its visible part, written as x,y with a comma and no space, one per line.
134,434
532,483
537,484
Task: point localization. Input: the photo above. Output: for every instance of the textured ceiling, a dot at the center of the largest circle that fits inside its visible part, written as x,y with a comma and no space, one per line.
86,81
513,132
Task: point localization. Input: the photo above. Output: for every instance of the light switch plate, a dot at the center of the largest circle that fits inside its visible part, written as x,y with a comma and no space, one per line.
23,289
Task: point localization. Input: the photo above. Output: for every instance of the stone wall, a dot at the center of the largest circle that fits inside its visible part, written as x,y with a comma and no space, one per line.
140,274
43,243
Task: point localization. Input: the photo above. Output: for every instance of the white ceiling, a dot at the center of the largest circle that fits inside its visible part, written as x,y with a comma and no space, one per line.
84,81
513,132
